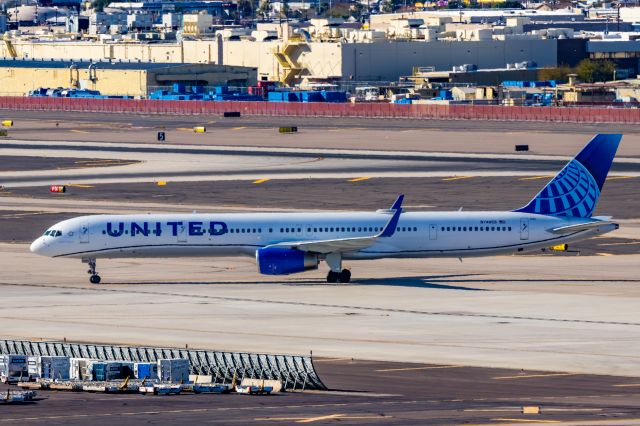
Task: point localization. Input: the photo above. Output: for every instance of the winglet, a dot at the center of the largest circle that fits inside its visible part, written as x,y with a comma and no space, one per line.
390,228
398,203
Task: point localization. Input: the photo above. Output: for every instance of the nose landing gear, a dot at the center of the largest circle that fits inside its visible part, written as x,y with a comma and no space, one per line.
94,278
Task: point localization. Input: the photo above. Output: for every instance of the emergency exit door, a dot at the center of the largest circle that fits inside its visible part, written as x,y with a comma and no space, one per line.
524,229
433,232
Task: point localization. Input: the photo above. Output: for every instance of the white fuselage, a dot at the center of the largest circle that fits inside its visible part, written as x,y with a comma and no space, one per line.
420,234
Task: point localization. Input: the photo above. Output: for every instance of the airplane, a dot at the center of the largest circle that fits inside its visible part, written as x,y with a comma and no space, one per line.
289,243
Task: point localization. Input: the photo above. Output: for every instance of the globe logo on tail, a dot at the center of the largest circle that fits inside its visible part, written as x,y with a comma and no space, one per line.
573,192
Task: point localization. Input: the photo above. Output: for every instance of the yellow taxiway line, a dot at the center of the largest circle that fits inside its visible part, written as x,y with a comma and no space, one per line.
457,178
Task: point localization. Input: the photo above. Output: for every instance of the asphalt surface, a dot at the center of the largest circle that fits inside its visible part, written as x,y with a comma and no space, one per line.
363,393
324,164
14,163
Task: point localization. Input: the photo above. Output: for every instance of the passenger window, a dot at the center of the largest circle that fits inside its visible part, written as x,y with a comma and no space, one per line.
509,228
476,228
493,228
342,229
281,230
270,230
299,229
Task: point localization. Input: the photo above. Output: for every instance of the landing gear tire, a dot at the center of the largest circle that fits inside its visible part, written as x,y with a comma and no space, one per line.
95,279
339,277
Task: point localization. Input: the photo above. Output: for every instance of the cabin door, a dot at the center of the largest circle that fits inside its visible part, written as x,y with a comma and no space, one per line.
84,233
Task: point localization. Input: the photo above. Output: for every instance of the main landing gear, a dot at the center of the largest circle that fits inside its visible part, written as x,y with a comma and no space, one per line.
336,273
94,278
343,276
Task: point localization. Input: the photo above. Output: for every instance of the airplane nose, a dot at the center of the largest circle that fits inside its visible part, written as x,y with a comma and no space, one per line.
38,246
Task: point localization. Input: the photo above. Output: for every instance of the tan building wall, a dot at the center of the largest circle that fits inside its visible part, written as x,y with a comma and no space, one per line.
190,51
109,82
18,81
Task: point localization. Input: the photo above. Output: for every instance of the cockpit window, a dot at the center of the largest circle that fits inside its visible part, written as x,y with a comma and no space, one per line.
58,233
47,233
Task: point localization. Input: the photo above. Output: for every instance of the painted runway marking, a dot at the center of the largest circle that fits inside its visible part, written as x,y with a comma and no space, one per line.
631,243
525,420
261,180
628,385
239,128
319,418
79,131
332,360
359,179
457,178
419,368
536,177
620,177
604,254
531,376
78,185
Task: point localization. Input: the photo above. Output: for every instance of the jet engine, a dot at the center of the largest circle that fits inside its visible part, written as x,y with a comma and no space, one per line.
284,261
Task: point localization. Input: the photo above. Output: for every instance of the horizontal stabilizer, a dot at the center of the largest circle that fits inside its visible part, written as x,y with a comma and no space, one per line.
569,229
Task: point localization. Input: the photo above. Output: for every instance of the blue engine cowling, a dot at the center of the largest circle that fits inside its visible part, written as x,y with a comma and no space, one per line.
284,261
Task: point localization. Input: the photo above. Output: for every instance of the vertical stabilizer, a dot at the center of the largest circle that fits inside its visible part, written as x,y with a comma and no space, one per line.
574,192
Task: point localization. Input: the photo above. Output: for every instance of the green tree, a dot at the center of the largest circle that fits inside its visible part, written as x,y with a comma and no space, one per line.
99,5
245,8
559,74
592,71
265,9
387,6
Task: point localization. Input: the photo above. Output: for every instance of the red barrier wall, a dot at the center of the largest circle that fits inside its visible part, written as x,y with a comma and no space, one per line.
294,109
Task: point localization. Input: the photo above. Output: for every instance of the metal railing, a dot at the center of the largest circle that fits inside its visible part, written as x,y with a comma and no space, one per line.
296,372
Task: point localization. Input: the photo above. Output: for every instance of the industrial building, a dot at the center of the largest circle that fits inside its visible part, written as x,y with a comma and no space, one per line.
137,79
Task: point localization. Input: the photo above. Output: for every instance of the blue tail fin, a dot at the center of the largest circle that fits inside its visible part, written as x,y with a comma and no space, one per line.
575,190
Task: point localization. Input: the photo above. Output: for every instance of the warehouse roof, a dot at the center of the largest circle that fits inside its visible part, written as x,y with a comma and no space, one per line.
115,65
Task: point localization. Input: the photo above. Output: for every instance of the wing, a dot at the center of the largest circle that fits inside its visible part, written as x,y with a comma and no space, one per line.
341,245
